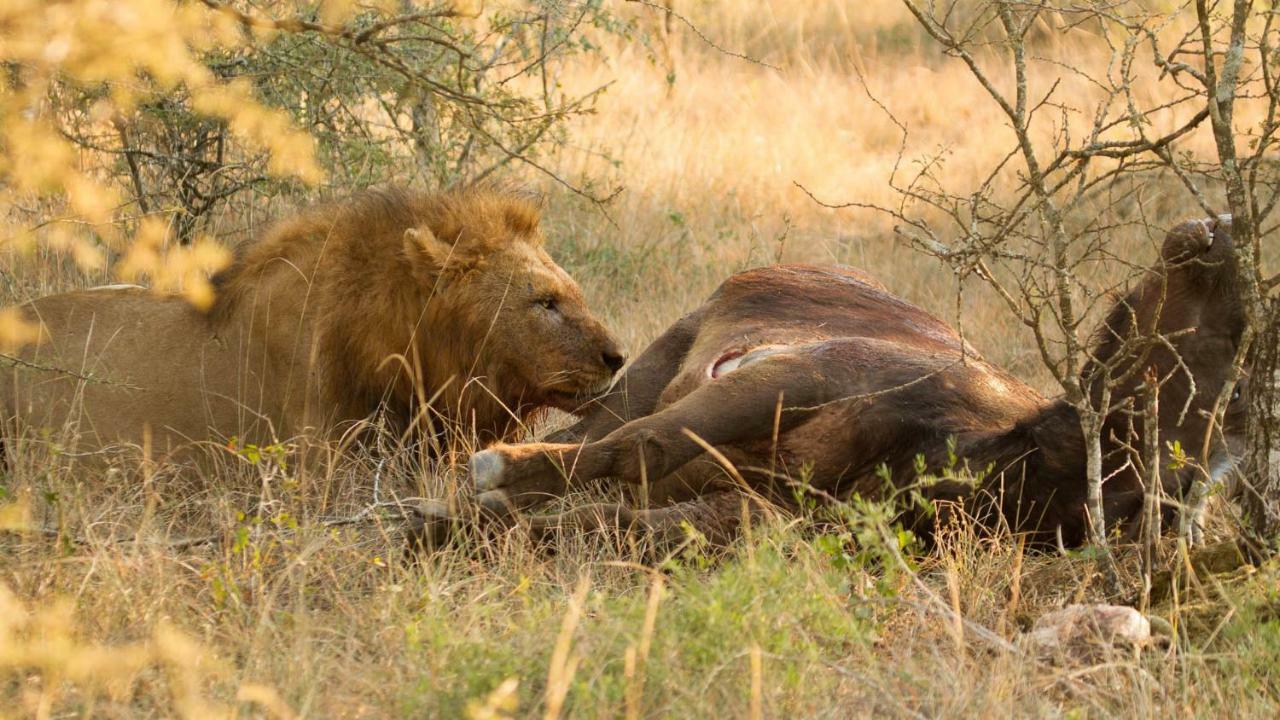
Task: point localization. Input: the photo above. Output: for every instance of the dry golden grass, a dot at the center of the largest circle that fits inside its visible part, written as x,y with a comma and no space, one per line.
237,593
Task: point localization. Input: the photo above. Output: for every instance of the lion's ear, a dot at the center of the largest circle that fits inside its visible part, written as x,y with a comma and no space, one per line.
422,247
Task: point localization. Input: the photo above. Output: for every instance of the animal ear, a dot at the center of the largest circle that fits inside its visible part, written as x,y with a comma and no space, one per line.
422,247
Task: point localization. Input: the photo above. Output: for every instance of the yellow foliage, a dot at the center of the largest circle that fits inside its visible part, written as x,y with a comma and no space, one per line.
35,159
184,270
16,331
41,643
86,254
130,50
13,517
292,153
334,12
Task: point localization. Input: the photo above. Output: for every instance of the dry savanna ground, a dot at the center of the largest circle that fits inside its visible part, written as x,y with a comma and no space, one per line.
257,589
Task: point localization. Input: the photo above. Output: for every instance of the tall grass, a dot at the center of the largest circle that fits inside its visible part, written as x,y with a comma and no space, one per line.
244,591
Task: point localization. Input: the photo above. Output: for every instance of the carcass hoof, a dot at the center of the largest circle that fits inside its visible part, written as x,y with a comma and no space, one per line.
485,469
430,528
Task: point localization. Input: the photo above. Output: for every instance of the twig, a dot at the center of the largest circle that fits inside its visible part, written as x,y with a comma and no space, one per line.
702,36
19,362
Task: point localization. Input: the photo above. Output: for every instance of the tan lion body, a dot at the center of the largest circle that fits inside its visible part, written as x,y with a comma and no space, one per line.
125,360
430,308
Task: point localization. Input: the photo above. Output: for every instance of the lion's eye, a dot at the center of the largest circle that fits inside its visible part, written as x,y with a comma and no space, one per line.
1235,394
548,302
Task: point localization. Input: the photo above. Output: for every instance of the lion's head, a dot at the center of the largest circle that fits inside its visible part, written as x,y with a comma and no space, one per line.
441,299
534,342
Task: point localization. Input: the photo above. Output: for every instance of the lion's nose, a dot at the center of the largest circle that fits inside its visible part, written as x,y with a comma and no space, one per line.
613,360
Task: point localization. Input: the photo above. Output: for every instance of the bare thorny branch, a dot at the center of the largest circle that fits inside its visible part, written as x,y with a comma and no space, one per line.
668,9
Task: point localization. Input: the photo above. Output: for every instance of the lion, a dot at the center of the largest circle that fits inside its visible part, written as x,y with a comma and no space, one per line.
442,311
820,373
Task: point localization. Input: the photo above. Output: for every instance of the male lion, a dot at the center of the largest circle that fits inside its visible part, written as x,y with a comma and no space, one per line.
821,374
442,310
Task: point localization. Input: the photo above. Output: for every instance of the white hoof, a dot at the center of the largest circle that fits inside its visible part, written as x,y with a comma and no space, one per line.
486,469
495,502
433,510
